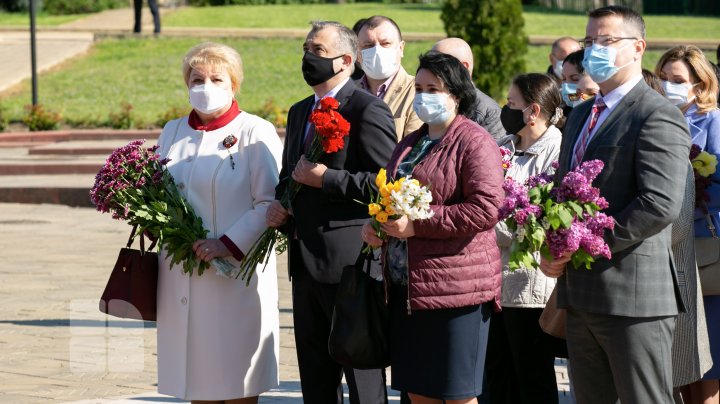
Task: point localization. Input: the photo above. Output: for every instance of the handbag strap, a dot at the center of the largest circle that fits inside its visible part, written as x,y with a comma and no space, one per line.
710,225
708,220
142,240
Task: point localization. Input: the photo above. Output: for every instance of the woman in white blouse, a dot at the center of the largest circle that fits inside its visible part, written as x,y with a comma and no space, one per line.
218,339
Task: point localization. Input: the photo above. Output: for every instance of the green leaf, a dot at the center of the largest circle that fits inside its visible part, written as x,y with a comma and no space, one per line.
565,217
554,220
575,207
582,258
529,260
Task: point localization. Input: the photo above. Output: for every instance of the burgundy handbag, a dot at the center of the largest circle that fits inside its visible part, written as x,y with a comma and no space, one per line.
131,291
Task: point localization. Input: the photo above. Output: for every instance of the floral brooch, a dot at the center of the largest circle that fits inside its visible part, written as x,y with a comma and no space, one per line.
227,143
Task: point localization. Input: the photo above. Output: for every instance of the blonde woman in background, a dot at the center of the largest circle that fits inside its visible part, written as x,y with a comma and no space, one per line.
690,83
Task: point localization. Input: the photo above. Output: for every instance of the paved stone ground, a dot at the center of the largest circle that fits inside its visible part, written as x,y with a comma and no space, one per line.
55,347
52,49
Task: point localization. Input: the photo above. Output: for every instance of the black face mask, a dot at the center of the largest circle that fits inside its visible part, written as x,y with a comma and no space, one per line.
512,119
317,69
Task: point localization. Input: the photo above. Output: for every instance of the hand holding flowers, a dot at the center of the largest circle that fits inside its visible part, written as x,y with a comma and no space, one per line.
563,223
135,186
330,131
395,206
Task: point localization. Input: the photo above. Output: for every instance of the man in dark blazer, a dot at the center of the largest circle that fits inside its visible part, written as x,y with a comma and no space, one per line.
621,313
324,230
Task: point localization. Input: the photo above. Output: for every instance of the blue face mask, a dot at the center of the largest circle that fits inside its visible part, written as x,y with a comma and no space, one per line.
431,108
570,90
599,62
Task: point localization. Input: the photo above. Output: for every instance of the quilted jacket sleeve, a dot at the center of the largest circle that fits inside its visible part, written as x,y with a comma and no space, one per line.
480,172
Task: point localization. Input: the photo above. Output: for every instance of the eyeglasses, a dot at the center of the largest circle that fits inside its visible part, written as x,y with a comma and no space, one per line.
580,96
602,40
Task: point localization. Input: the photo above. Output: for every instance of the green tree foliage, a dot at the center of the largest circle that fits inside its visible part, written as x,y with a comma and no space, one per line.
494,30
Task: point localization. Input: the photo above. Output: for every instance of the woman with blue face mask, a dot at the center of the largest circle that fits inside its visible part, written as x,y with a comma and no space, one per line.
690,83
443,273
577,86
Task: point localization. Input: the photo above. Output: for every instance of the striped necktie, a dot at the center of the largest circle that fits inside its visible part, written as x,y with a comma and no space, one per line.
586,135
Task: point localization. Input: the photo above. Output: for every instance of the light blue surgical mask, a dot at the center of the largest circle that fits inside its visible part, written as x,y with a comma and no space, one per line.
599,62
567,90
431,108
677,93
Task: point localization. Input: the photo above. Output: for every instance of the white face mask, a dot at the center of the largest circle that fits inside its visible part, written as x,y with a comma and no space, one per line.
379,63
208,98
431,108
677,93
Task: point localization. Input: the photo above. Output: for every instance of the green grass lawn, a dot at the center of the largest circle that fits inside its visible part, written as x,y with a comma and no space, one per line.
410,17
23,19
146,73
419,18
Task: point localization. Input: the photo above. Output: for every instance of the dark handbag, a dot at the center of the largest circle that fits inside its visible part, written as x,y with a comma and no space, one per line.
131,291
359,333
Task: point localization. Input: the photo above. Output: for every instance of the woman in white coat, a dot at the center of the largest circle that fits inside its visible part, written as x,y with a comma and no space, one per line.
532,117
218,340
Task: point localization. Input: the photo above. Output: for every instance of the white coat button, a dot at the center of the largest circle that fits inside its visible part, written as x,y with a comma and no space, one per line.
183,300
181,186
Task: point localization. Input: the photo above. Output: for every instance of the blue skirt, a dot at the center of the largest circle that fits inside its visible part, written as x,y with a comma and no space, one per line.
437,353
712,316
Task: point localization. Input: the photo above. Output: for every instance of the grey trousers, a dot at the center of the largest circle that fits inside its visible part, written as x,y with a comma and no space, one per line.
625,358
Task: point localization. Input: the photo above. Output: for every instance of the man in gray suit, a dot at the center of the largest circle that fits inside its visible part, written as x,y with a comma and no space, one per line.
486,111
621,313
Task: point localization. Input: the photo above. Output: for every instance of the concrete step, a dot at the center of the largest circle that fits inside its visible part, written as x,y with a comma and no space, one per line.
69,189
76,148
38,167
79,135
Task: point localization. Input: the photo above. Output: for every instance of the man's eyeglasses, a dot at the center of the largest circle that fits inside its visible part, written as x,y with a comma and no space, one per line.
580,96
602,40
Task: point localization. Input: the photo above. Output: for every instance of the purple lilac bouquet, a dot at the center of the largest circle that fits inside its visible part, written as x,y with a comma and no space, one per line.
134,185
557,221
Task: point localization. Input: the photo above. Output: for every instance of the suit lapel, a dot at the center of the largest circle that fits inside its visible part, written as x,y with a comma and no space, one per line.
300,122
395,89
620,110
344,94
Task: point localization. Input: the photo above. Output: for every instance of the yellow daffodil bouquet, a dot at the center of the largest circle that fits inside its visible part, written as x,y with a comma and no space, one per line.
394,199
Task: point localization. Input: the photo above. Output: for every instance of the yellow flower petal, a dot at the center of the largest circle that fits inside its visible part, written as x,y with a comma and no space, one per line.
381,217
381,178
705,164
373,209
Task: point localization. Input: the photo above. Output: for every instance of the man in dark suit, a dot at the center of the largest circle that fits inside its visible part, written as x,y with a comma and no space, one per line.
621,313
324,233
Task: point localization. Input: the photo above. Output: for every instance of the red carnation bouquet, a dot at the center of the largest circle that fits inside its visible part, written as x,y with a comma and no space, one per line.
330,131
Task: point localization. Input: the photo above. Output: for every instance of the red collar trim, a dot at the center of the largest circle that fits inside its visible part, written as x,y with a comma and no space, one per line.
224,119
